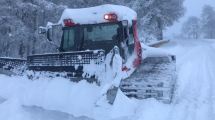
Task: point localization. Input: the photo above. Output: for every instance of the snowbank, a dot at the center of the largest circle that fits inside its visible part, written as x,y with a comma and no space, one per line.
96,14
194,99
12,110
78,99
53,94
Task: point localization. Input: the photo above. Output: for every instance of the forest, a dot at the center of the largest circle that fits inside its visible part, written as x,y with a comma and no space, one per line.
20,20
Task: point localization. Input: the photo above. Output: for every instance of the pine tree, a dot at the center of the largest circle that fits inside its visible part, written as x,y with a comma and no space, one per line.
23,17
156,15
191,28
208,22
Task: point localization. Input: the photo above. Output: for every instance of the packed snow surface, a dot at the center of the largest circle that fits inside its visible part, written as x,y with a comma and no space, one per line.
93,15
59,99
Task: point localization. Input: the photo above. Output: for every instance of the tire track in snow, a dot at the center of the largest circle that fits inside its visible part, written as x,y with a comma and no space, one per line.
206,100
199,101
195,99
211,73
186,91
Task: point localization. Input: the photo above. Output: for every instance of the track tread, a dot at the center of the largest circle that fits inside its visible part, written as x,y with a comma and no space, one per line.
154,78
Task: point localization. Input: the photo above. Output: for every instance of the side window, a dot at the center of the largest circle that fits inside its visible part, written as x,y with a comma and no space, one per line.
131,35
65,39
126,33
68,39
71,38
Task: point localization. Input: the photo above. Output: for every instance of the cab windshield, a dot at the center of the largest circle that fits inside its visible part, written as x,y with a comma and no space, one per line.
74,37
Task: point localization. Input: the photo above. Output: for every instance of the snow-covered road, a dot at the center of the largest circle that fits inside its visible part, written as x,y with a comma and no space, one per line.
194,99
196,82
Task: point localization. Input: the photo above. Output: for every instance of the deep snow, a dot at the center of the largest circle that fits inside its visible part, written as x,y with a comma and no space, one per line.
57,98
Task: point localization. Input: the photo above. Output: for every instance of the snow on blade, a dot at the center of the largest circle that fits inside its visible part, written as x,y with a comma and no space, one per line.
153,52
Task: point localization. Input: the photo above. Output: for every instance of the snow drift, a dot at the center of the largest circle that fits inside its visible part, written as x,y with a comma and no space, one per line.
194,99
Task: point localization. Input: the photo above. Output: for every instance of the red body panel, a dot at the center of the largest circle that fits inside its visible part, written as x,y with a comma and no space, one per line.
137,46
137,49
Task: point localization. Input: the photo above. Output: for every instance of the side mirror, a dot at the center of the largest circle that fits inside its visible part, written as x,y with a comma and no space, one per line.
42,30
49,34
47,31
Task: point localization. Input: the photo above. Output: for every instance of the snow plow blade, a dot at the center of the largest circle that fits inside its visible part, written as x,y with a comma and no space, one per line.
9,65
155,78
158,43
71,63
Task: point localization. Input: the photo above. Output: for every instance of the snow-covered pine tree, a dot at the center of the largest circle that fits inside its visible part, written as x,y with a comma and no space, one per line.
156,15
23,17
208,22
191,28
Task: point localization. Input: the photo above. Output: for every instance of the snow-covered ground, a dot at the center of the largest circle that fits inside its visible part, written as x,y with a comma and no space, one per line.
59,99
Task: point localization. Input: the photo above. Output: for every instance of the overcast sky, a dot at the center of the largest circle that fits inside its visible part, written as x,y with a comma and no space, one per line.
193,8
